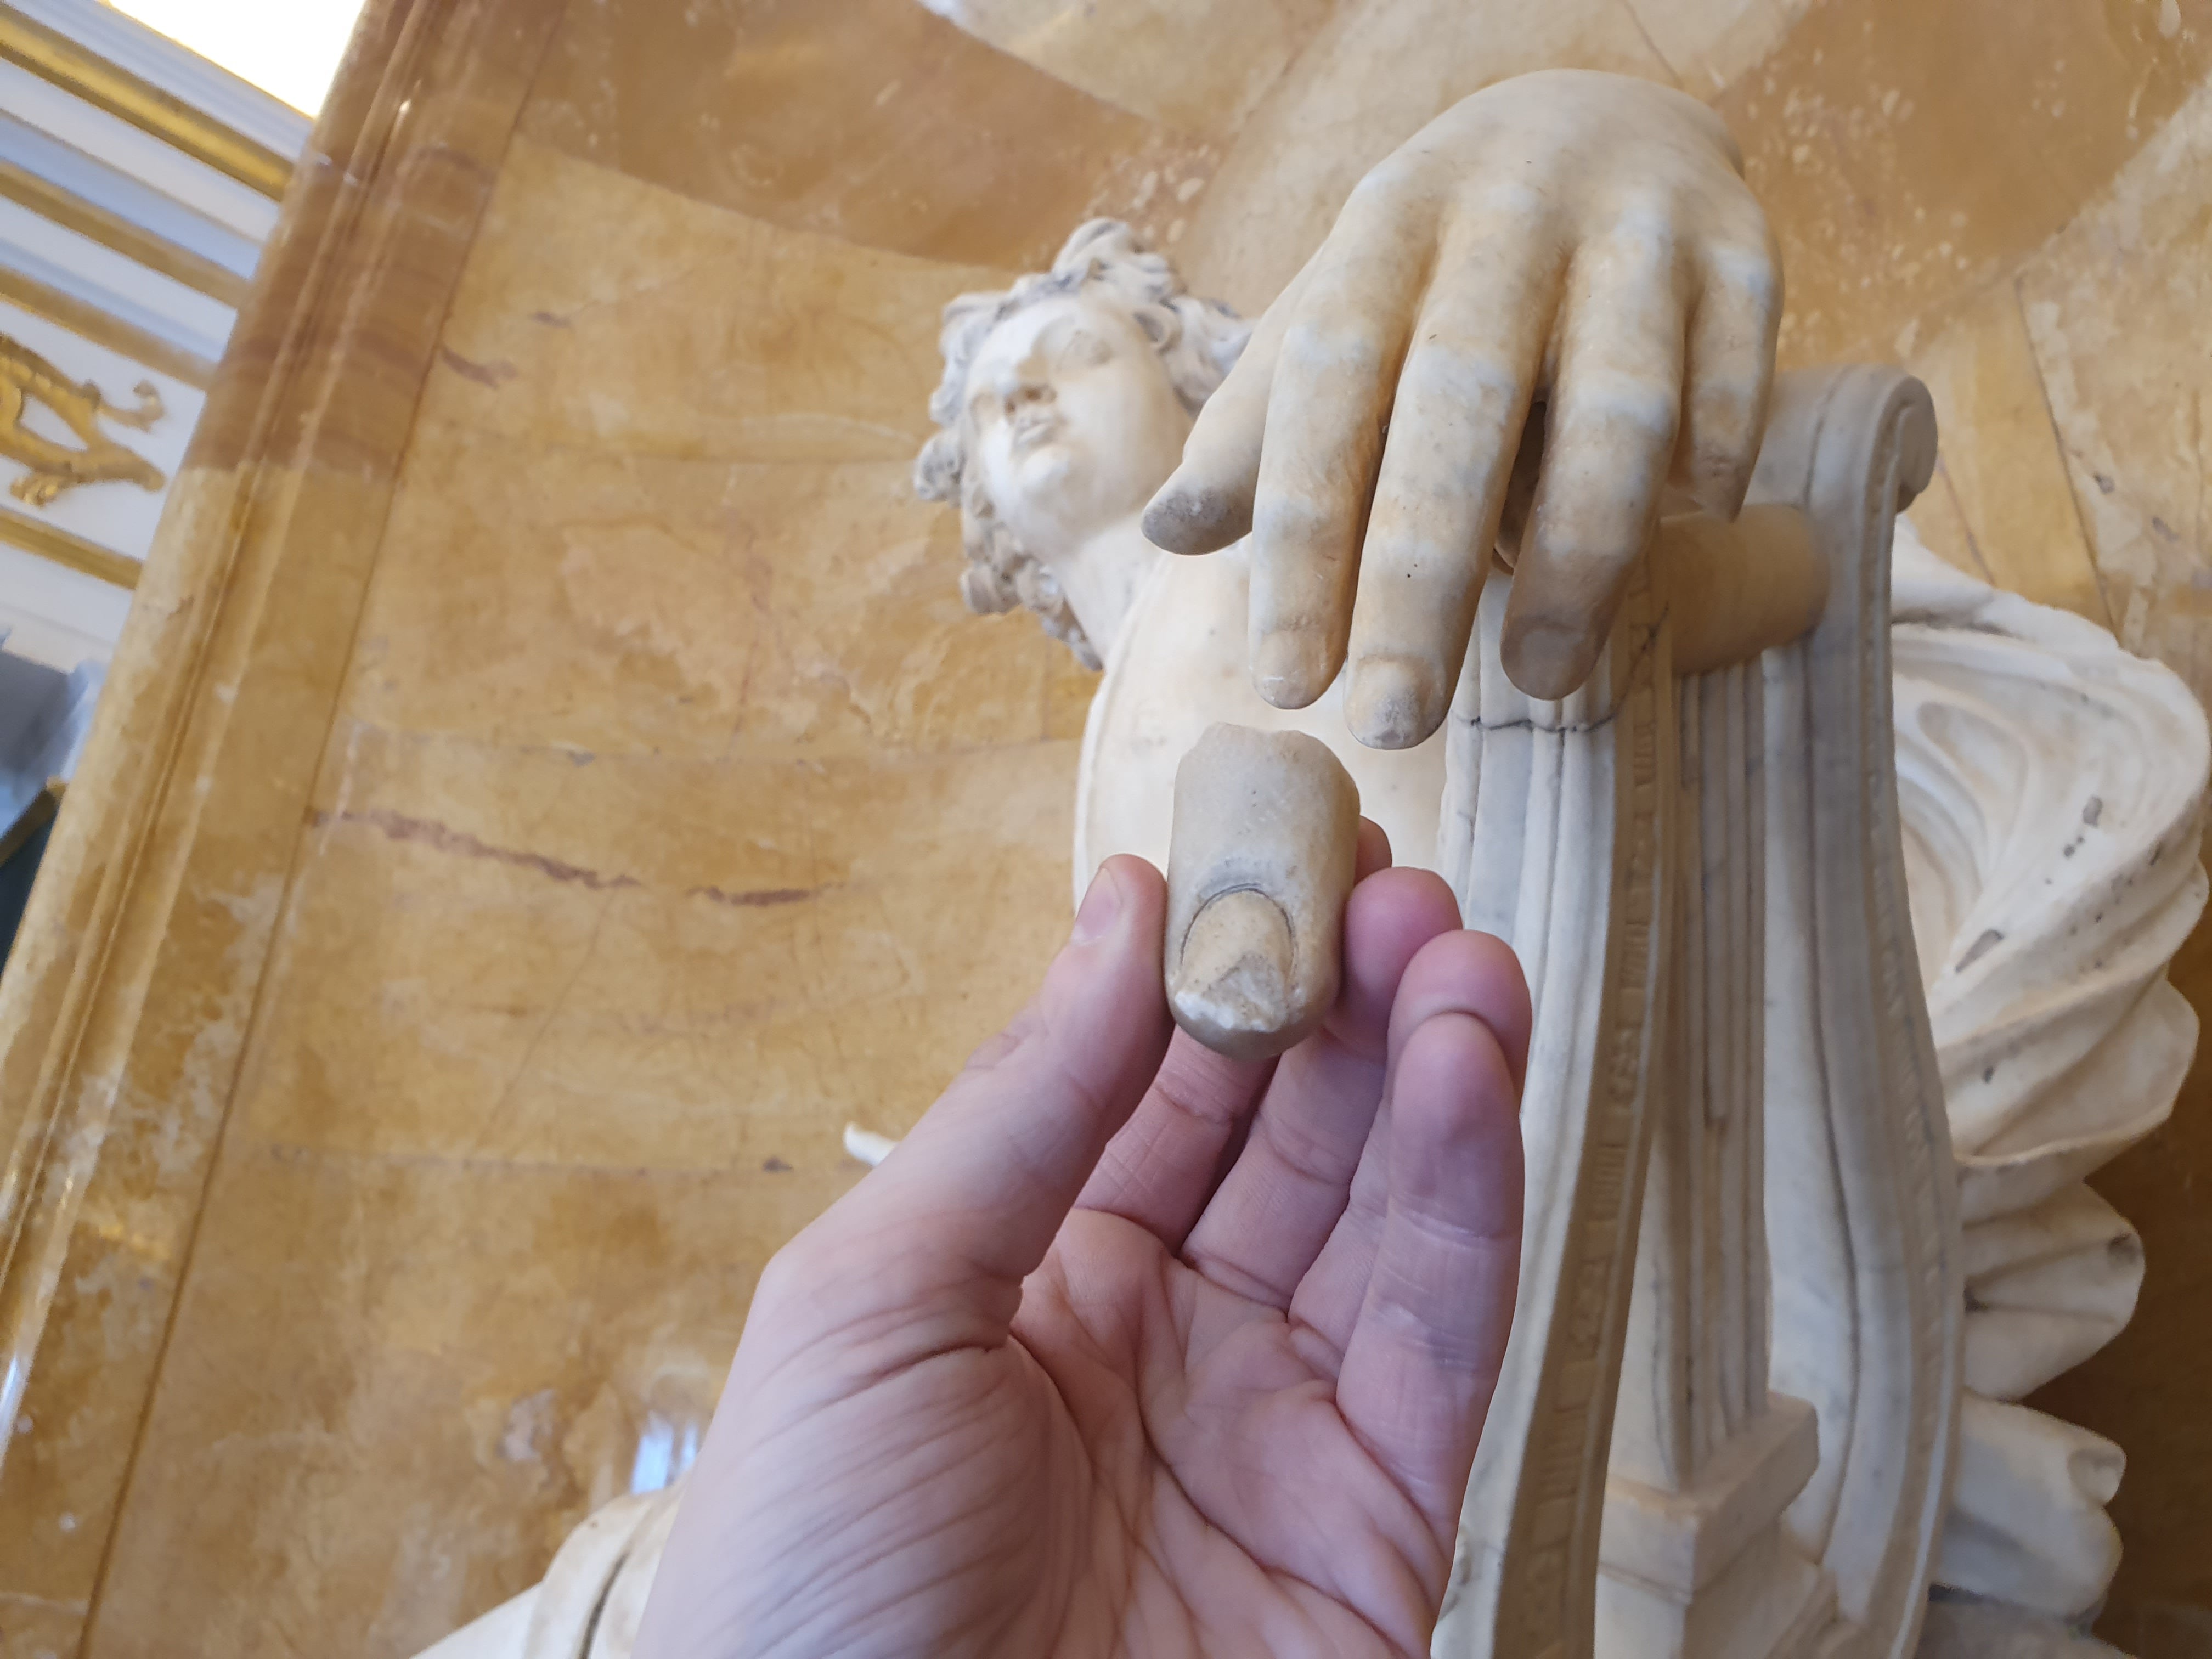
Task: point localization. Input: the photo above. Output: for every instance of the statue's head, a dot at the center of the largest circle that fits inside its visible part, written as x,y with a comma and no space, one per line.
1064,404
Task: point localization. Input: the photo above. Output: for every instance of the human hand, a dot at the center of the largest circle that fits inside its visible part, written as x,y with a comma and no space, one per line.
1129,1349
1579,240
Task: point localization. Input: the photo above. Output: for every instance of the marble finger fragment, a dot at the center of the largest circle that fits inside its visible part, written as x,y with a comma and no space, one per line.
1262,858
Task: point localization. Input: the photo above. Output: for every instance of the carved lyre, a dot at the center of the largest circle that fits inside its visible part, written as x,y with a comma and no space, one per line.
1705,878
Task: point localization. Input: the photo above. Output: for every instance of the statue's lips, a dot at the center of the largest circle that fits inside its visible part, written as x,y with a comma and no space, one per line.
1032,430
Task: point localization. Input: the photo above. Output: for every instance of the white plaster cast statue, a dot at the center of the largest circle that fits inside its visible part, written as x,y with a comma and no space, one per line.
2050,788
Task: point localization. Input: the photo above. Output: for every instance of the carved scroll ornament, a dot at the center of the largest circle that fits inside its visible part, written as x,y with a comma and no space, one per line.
26,378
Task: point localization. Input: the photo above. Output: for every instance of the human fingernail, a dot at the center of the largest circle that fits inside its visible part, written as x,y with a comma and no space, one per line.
1394,702
1100,909
1284,667
1549,659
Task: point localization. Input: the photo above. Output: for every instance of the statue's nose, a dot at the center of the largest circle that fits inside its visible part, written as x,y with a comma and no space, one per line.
1023,382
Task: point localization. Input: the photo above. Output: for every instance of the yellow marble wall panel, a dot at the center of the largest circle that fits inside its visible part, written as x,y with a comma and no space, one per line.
1197,65
1910,151
407,1402
1708,43
695,609
971,155
771,602
34,1629
121,1025
500,954
385,202
2002,465
1942,527
696,332
62,1476
675,812
1376,73
193,945
2117,308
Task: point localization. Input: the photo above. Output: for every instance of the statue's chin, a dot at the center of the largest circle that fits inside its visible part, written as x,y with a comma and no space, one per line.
1045,471
1053,505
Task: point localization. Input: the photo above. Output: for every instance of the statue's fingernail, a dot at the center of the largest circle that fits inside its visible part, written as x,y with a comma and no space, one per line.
1187,516
1261,861
1232,980
1394,702
1284,669
1170,517
1100,909
1547,660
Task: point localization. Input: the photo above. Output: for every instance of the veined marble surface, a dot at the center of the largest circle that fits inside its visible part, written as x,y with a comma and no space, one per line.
355,1375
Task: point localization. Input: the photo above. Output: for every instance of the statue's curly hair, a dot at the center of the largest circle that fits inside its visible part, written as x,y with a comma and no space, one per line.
1198,340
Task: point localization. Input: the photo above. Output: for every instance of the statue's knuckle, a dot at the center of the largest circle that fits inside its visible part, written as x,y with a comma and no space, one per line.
1747,275
1606,398
1338,342
1293,518
1386,184
1508,208
1465,371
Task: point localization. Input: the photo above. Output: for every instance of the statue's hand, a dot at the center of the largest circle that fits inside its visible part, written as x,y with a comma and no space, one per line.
1130,1349
1585,241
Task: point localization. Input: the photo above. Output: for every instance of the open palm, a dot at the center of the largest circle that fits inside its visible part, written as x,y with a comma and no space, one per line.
1130,1349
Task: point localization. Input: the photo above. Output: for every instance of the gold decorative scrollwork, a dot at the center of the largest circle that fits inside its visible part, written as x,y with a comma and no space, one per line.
24,376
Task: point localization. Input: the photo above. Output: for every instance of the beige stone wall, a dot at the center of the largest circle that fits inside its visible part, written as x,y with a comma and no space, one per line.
607,797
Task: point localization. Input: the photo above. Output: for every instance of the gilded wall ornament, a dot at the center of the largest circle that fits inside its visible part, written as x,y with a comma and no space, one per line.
25,377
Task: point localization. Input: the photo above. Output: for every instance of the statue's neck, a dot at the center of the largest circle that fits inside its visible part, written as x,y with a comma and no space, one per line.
1101,578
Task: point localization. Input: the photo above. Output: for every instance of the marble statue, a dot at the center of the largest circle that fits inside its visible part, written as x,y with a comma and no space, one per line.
2053,788
2032,749
2047,790
1045,386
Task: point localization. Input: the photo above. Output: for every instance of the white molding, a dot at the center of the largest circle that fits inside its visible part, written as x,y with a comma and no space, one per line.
142,156
177,70
58,616
95,182
120,285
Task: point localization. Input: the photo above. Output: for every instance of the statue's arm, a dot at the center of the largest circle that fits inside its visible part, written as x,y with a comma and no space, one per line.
1577,244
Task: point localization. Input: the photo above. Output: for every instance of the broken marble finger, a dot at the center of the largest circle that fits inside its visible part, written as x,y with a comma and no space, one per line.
1261,860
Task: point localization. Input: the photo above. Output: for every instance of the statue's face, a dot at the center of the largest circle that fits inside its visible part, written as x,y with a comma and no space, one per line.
1074,420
